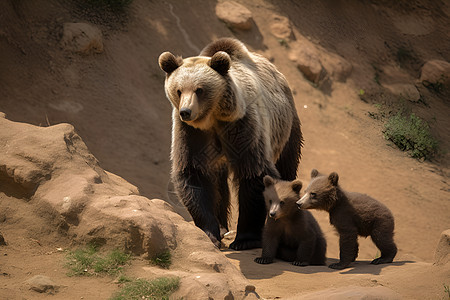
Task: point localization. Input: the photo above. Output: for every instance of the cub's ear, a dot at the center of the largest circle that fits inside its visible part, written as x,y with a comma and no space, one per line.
314,173
168,62
268,181
220,62
297,186
333,178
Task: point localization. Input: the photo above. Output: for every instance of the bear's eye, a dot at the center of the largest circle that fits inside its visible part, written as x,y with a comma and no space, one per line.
199,91
312,195
178,93
281,203
270,201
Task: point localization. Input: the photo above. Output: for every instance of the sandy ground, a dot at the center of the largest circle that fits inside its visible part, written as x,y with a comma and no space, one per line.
116,102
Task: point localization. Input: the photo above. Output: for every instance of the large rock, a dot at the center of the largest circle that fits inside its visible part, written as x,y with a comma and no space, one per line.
52,170
442,254
82,38
317,64
436,72
235,15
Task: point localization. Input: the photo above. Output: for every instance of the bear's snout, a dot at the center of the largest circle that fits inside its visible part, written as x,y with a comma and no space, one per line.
272,214
185,114
299,205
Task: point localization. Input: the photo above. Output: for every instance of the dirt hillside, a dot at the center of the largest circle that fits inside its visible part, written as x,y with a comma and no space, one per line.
369,51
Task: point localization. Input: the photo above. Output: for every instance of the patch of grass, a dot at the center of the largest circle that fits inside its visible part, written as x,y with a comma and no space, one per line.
283,43
160,288
88,262
447,291
411,133
163,259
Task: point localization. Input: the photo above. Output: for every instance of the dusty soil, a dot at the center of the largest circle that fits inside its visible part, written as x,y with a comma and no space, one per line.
116,102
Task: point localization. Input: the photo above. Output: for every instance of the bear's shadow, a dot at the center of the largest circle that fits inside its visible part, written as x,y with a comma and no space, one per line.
253,270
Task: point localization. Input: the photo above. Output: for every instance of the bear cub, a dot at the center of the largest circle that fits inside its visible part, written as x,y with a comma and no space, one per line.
352,214
290,234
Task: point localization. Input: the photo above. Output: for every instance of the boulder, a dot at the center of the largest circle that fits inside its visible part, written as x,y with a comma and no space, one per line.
234,15
436,72
407,91
281,28
307,59
82,38
317,64
442,254
54,172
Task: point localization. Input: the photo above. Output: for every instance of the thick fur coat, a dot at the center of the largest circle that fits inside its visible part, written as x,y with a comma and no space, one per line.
352,214
290,234
233,115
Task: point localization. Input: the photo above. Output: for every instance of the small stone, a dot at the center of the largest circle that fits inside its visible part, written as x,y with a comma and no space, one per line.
250,288
2,240
42,284
235,15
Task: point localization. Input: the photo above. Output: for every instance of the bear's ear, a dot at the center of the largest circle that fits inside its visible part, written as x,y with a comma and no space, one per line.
333,178
314,173
168,62
297,186
220,62
268,181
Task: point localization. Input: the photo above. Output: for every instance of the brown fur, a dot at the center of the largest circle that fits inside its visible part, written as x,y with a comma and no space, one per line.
352,214
290,234
233,114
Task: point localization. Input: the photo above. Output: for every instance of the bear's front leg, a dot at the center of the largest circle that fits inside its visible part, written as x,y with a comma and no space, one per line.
348,247
252,214
197,191
270,244
305,251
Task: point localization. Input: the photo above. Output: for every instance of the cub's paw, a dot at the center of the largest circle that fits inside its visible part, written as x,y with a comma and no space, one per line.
381,260
300,263
245,244
263,260
338,266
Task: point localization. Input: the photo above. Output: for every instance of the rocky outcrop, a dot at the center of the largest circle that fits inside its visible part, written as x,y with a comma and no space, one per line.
52,170
281,28
234,15
318,65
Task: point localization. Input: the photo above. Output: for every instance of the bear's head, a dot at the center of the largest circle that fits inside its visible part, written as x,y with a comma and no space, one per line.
280,196
195,86
321,192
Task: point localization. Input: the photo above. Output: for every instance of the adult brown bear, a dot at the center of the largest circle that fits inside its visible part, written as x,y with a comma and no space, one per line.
233,114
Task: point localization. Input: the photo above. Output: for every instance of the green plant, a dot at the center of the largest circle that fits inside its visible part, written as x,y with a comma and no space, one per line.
447,291
159,288
410,133
87,262
283,43
163,259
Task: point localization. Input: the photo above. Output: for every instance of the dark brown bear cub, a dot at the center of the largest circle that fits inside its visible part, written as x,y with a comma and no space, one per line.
352,214
289,233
